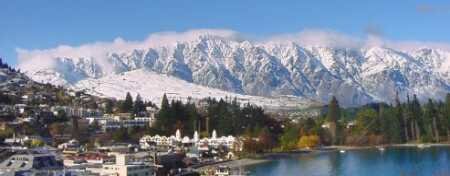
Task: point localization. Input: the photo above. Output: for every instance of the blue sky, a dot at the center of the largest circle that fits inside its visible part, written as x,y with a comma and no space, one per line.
46,24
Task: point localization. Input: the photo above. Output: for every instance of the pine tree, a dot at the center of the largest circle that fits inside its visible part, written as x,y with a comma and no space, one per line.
408,123
447,114
333,110
127,105
139,105
108,107
193,118
165,102
385,122
430,118
401,120
333,117
3,65
6,66
416,114
394,129
163,116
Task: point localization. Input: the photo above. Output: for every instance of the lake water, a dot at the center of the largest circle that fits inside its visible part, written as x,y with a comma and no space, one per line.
433,161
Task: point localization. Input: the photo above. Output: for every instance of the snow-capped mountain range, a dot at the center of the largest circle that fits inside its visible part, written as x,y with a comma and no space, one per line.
213,65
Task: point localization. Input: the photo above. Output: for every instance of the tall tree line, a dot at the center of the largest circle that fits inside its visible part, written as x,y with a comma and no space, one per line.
227,117
410,121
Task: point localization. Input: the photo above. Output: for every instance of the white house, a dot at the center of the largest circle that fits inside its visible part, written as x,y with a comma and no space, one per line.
202,144
108,122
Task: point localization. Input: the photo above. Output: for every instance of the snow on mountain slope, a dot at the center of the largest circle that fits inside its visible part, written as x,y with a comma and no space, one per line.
153,85
269,69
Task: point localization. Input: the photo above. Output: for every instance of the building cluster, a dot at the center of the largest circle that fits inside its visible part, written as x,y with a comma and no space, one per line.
205,143
30,162
67,114
195,147
123,120
153,154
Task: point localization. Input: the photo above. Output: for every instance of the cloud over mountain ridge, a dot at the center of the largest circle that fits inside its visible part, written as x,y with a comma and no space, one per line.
314,64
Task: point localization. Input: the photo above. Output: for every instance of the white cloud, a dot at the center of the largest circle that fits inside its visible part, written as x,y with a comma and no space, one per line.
42,58
318,37
169,38
45,58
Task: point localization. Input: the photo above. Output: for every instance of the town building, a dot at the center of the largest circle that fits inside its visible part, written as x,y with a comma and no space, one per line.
124,120
31,164
202,144
22,140
125,166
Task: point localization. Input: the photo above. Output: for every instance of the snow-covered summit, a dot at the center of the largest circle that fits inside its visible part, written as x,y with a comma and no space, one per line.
355,75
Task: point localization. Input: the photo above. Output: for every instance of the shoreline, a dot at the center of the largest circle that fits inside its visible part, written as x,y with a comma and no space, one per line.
346,147
235,163
266,157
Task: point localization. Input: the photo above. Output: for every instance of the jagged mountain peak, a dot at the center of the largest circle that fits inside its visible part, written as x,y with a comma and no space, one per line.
355,75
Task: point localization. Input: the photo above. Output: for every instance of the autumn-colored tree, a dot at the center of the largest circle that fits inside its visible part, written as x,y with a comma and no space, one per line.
308,141
250,145
265,139
5,133
37,143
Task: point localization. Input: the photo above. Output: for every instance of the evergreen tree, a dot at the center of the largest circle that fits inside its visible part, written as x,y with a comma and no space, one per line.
127,105
193,118
333,110
408,119
393,128
430,121
389,126
368,122
333,116
401,120
446,116
5,65
108,107
382,118
139,105
416,118
289,139
165,102
120,135
163,116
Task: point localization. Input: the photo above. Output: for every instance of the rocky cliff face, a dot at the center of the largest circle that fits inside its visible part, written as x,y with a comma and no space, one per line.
354,76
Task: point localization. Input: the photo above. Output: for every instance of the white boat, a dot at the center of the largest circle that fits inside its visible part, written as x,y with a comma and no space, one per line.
342,151
422,146
381,148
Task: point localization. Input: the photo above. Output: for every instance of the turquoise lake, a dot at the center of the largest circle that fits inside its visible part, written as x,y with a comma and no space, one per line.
433,161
